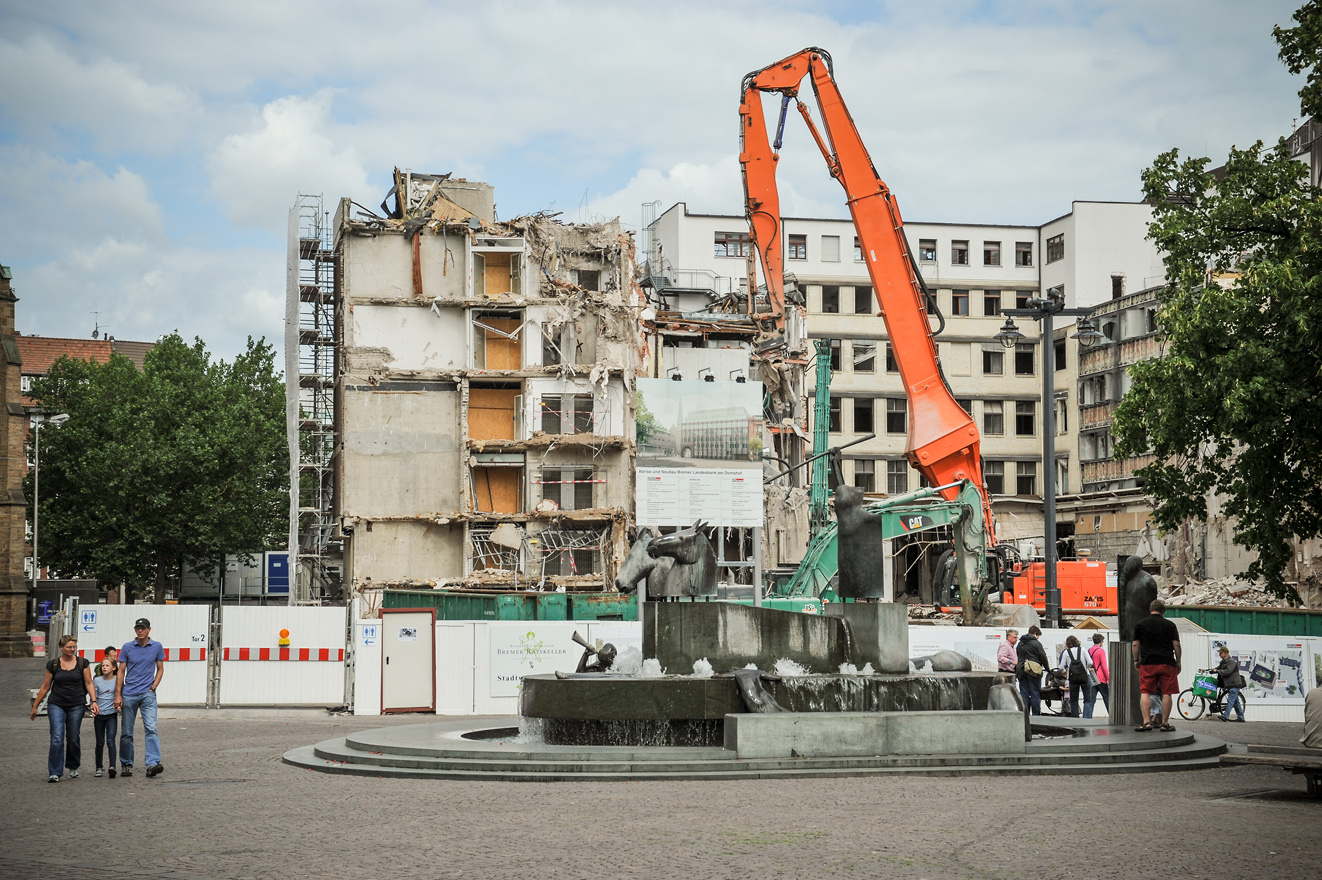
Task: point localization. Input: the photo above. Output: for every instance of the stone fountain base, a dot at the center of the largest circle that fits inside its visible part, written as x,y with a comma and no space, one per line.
606,710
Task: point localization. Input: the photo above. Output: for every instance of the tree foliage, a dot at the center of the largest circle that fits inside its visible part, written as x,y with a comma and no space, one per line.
183,460
1301,49
1234,407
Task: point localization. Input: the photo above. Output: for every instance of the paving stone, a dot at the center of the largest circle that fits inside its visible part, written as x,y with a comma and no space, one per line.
227,809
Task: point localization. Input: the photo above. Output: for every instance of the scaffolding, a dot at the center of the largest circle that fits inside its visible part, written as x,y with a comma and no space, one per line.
310,401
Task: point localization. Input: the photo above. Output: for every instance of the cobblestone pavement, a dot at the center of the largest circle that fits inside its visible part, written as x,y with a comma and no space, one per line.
226,808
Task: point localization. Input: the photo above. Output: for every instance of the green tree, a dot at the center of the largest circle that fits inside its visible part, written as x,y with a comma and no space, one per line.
644,421
183,460
1234,406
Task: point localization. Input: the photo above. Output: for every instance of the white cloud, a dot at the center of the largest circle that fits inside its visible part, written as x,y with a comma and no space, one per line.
100,94
258,174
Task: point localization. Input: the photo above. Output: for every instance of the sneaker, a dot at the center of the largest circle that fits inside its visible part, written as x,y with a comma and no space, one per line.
1220,718
53,778
1240,720
155,770
112,772
99,773
73,774
126,771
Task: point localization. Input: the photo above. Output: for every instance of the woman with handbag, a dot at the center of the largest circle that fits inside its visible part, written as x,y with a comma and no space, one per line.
1033,663
69,681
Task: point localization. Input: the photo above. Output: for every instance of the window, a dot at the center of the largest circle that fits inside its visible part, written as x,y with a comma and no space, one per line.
864,475
588,279
1063,416
1062,478
1025,478
959,302
732,244
863,423
552,345
1152,320
993,360
798,247
863,300
897,411
830,248
1055,248
994,475
1021,298
835,354
497,342
1117,286
1060,355
993,417
890,359
1023,359
858,251
897,477
991,303
570,489
927,250
865,357
991,253
833,421
1025,418
1023,253
959,253
965,403
830,299
566,414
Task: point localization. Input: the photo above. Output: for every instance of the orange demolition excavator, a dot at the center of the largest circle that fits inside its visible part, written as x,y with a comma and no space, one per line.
943,441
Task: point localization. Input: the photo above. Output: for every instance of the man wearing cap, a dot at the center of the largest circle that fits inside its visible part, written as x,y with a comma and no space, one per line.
141,666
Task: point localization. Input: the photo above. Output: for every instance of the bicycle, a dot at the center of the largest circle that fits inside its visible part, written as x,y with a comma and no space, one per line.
1191,706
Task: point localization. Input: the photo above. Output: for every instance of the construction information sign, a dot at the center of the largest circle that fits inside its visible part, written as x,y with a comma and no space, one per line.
717,496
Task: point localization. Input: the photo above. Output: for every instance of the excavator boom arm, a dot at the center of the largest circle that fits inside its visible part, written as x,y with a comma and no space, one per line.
944,444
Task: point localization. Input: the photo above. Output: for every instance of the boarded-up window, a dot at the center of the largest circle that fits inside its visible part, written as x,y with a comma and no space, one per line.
496,273
492,413
496,341
498,489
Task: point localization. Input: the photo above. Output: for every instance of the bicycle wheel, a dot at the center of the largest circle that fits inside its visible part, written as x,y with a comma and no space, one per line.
1190,705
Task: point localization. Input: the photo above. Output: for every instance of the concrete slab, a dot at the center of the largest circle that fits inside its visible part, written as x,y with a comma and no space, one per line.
846,734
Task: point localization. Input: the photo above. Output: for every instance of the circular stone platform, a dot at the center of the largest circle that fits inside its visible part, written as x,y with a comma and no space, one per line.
489,750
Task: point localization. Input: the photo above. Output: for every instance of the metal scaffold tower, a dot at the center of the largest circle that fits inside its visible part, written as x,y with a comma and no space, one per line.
310,399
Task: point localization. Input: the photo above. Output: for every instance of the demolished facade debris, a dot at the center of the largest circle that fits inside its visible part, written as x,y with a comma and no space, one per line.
483,393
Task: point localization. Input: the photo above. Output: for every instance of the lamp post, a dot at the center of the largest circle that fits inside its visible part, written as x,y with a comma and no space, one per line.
1043,310
36,486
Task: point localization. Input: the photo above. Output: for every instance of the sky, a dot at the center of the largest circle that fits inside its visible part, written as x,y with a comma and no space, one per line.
150,151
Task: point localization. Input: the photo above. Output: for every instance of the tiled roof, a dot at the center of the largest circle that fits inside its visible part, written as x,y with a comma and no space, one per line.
39,352
134,351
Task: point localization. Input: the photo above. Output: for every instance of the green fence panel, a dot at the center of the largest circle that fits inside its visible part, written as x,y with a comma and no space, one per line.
1252,621
603,606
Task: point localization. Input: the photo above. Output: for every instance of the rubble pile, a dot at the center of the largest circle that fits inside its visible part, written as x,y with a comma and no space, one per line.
1223,591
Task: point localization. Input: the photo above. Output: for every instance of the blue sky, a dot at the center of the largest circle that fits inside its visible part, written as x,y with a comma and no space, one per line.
149,151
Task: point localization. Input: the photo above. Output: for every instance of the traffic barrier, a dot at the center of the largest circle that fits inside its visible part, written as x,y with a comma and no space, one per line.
333,655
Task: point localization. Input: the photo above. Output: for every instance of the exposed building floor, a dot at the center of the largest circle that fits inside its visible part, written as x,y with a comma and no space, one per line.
227,808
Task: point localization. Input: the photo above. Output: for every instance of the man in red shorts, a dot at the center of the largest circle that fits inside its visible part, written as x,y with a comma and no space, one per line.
1157,655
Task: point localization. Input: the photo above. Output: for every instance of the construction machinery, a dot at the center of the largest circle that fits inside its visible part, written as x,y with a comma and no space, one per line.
943,442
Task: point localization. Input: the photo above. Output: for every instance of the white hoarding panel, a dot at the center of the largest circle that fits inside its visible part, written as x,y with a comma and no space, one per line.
182,631
367,667
1277,668
252,671
529,648
455,670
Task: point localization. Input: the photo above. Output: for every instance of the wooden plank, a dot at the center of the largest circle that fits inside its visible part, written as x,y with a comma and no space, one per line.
491,413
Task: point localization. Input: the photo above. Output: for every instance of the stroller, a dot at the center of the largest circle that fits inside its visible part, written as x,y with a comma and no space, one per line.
1056,688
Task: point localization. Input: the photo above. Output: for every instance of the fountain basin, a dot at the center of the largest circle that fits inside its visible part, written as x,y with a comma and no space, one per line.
684,711
856,734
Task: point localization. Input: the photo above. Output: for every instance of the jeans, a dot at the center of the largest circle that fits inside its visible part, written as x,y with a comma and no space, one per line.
1030,689
66,749
1081,692
1233,699
147,703
106,726
1104,691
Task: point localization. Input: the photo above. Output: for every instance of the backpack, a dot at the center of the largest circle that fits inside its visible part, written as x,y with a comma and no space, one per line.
1078,672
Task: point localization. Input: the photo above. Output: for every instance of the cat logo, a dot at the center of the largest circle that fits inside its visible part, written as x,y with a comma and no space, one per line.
915,523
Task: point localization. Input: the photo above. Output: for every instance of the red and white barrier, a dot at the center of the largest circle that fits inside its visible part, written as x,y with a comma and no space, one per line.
174,654
332,655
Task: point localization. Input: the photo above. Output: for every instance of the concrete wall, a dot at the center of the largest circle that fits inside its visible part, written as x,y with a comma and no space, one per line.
396,552
401,452
404,338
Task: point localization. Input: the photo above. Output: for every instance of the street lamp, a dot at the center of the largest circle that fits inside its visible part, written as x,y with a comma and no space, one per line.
1043,310
36,486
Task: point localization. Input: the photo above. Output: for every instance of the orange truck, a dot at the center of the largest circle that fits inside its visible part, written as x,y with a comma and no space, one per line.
1082,584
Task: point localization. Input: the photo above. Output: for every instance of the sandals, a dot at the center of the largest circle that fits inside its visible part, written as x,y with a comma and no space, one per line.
1167,728
1146,728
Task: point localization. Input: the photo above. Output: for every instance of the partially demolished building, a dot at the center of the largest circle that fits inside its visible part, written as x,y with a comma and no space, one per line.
482,417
